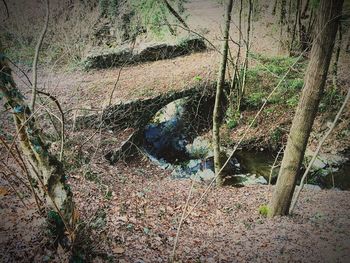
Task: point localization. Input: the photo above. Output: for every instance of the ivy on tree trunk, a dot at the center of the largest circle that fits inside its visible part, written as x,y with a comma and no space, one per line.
43,167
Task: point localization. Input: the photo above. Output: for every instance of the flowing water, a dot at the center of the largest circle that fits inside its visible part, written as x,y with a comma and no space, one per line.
170,142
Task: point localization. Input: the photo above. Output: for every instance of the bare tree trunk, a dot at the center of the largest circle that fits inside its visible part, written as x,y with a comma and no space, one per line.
44,168
178,17
236,76
245,65
321,53
297,15
282,16
289,15
219,91
337,55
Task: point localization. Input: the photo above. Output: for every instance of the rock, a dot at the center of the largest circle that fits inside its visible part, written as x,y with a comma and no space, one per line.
318,164
126,149
107,59
324,160
310,187
200,148
139,112
203,175
245,179
153,52
161,51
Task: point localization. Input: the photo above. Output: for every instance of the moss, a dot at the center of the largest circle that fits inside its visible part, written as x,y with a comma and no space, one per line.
55,222
263,210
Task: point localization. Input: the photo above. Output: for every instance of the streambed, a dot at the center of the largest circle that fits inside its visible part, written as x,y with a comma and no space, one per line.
171,141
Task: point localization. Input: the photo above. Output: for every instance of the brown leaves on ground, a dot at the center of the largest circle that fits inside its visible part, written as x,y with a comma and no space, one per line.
138,221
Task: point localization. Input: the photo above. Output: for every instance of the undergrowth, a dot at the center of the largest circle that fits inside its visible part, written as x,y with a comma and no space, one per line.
265,76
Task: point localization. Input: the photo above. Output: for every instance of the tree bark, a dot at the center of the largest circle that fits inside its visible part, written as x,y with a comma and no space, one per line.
337,55
43,167
306,7
219,91
321,53
274,7
174,13
297,14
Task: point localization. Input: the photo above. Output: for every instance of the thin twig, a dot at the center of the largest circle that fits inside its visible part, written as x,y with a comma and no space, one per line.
119,73
36,57
273,167
172,258
62,120
7,177
37,199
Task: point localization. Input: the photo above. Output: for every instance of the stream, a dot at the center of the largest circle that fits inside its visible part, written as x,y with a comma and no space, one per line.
172,142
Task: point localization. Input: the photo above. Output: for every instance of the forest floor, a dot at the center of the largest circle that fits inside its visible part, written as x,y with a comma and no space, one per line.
130,212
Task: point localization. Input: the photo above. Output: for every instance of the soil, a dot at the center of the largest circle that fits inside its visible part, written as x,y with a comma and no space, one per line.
130,212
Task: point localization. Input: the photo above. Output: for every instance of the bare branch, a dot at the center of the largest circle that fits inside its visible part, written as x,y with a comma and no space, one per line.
36,56
174,13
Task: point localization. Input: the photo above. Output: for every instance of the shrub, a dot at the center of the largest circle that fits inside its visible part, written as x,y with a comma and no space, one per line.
232,118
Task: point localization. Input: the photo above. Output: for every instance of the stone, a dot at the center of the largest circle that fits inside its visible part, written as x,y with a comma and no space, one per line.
310,187
247,179
153,52
107,59
204,175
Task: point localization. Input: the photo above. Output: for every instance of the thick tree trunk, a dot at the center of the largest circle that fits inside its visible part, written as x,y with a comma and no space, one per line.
219,89
44,168
321,53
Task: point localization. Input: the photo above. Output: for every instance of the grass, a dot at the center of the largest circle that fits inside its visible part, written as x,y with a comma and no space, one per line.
262,79
265,76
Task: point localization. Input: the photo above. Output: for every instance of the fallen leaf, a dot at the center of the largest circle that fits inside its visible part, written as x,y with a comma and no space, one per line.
3,191
118,250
